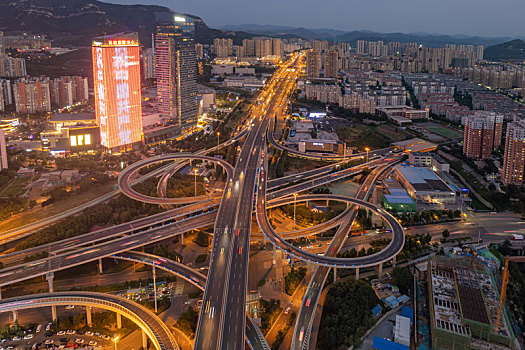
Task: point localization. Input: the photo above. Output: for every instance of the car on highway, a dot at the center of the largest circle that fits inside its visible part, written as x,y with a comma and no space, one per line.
61,333
79,341
49,341
93,343
287,310
90,333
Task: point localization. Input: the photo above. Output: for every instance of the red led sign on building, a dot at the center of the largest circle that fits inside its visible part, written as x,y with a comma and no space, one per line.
117,93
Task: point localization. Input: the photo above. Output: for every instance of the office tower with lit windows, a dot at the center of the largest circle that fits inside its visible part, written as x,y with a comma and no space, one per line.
176,70
116,71
514,160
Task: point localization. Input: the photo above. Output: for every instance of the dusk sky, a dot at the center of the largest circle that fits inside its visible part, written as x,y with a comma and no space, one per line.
470,17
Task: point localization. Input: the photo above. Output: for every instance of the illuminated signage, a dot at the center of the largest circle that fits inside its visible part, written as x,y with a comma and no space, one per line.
116,73
80,140
180,19
318,144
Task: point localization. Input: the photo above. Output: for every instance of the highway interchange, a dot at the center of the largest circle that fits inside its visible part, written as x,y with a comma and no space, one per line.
222,321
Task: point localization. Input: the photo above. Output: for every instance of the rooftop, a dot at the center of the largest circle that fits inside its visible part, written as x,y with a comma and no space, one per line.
423,179
416,145
72,117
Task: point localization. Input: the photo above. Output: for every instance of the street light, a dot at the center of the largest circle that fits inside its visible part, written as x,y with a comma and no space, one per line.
367,149
195,172
294,203
218,135
115,339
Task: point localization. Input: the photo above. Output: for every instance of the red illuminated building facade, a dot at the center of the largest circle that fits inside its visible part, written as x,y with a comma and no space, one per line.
116,70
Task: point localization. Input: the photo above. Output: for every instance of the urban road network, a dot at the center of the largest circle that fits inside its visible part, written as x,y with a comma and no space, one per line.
223,323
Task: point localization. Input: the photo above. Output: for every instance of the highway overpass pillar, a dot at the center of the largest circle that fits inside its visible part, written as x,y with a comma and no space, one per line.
357,273
274,261
100,267
49,277
119,320
394,262
380,270
335,274
15,315
0,293
182,239
144,340
88,316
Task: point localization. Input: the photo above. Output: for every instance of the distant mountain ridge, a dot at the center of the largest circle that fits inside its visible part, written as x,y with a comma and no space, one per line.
510,50
426,39
75,22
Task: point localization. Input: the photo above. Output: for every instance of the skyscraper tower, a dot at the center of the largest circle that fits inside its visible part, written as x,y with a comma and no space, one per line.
176,69
116,71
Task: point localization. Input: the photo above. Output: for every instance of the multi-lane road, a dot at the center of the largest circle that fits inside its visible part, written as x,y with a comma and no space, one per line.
222,321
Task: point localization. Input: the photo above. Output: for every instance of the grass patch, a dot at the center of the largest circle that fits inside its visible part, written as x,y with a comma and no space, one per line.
201,258
445,132
16,188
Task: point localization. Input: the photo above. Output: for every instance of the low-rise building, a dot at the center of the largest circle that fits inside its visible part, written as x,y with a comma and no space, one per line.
424,185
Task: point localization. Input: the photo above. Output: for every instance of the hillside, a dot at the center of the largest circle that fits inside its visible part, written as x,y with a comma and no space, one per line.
510,50
426,39
76,22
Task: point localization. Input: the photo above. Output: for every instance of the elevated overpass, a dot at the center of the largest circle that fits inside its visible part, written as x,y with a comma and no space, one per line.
148,322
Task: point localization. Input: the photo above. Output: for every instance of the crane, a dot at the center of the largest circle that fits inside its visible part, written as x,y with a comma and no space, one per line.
504,282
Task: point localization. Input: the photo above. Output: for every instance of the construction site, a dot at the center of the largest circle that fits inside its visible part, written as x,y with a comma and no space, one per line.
463,305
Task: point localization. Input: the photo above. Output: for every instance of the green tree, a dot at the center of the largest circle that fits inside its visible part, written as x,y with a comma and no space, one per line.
445,233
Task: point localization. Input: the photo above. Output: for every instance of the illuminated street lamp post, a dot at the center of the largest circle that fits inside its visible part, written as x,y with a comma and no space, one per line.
115,339
195,172
294,203
218,135
367,149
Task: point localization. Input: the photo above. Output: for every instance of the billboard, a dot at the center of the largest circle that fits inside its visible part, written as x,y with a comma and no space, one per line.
116,70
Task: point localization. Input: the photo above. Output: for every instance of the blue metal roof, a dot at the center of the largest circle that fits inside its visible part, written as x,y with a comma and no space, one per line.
403,199
376,310
408,312
385,344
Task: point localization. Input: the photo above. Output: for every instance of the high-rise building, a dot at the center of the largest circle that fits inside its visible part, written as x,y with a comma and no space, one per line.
223,47
479,52
176,69
31,95
313,64
116,71
249,47
361,46
277,47
199,51
148,63
12,67
482,134
3,151
6,94
2,50
514,161
330,64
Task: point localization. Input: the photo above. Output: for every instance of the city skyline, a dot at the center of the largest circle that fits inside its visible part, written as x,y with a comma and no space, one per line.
470,17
